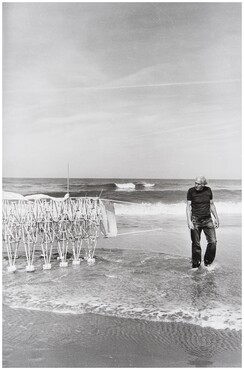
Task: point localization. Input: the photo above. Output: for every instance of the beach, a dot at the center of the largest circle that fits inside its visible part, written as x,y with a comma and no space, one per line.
139,305
113,114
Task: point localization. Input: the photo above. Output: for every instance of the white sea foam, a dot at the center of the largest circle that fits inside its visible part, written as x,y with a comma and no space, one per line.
133,290
141,209
145,184
127,185
218,318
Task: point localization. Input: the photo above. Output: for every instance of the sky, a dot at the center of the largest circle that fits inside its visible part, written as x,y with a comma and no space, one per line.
121,90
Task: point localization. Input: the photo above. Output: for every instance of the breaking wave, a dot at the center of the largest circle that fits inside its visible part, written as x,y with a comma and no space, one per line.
126,185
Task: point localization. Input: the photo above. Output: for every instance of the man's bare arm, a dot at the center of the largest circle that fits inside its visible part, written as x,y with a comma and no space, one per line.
188,215
214,212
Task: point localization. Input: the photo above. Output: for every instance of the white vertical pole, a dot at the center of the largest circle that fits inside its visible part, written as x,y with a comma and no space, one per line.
68,180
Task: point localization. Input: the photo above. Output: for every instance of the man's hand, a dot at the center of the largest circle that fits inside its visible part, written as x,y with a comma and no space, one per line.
190,225
216,223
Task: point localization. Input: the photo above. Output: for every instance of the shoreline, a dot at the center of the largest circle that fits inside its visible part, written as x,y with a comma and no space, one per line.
36,338
92,340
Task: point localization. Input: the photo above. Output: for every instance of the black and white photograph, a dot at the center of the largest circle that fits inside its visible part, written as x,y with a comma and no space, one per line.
121,184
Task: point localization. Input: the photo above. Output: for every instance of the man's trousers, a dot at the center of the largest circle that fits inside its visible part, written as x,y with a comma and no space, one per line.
206,225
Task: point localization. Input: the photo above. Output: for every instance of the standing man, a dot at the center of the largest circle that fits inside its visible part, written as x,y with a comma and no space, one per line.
199,208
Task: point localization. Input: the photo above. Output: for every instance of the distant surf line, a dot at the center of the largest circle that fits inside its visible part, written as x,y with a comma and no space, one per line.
140,231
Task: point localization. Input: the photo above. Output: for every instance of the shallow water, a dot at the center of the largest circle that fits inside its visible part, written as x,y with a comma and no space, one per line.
131,284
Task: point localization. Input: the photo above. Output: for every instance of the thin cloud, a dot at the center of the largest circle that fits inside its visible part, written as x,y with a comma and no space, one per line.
165,84
219,128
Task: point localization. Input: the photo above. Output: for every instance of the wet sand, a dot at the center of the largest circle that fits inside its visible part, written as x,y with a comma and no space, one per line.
43,339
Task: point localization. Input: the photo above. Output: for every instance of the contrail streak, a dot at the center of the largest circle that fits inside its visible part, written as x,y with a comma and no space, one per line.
165,84
95,88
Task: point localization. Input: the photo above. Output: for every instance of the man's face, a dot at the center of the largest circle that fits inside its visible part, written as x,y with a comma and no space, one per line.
199,185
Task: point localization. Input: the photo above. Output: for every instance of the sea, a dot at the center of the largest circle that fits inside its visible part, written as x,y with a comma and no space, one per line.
145,272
